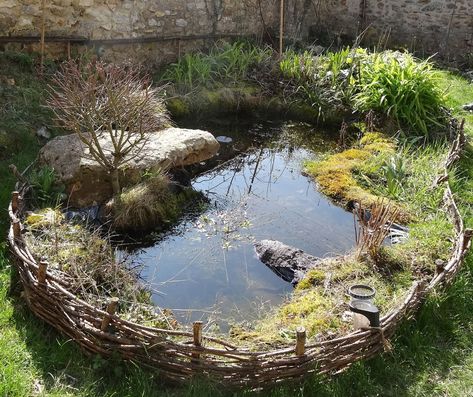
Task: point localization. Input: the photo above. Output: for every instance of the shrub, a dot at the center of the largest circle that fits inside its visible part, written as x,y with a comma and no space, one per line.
46,190
108,101
300,67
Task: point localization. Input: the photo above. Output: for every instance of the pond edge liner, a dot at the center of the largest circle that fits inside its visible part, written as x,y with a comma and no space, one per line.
180,356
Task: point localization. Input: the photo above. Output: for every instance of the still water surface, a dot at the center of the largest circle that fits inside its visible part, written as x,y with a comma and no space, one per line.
206,267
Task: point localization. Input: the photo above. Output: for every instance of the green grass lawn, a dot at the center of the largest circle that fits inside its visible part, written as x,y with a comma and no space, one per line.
432,355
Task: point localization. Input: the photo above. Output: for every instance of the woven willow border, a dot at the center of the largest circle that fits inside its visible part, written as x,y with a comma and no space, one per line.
183,355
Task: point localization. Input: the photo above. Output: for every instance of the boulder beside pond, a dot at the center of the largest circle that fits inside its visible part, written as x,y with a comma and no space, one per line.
289,263
87,183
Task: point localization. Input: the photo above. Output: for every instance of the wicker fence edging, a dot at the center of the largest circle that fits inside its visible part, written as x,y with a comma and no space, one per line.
181,355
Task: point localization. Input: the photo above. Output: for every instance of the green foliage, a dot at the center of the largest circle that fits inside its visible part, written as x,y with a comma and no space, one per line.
45,188
25,61
392,174
338,61
226,62
191,70
22,95
297,66
401,87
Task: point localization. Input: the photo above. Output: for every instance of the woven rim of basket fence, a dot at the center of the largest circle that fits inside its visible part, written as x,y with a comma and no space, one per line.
181,355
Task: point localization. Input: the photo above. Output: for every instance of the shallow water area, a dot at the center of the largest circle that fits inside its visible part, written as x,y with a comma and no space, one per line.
206,268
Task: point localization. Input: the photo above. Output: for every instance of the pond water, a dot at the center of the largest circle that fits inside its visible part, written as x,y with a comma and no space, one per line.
206,268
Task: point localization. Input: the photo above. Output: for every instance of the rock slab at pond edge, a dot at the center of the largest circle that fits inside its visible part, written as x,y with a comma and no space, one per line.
87,183
289,263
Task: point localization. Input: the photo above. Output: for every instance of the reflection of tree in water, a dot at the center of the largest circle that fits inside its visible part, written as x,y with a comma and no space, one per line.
255,193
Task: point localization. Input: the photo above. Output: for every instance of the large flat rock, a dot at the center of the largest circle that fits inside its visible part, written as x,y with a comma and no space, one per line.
87,183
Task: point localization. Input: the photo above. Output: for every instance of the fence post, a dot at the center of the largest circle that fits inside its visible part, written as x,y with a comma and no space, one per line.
16,229
197,331
43,266
300,342
15,201
111,308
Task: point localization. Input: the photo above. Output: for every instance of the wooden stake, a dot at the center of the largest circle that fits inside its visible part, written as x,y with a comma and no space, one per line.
439,266
467,238
197,331
15,201
68,50
42,35
111,308
16,229
281,27
43,266
300,342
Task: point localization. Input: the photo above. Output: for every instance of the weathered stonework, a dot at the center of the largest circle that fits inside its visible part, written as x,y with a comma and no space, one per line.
132,19
431,25
444,26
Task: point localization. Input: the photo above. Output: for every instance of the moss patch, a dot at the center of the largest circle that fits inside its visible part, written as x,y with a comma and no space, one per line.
335,174
319,301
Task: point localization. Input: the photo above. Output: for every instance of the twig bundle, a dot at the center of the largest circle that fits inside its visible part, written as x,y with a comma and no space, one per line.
373,226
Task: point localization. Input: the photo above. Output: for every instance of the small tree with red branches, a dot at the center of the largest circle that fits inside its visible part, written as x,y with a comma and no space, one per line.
107,103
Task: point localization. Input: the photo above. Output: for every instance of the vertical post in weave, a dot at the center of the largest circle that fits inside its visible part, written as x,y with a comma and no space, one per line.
197,331
43,6
468,234
281,26
15,196
16,229
300,341
111,308
42,268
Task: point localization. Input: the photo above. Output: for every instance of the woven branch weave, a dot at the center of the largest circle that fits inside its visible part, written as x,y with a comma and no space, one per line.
178,356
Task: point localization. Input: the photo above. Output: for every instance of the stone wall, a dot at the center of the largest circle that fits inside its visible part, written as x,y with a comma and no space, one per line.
132,19
430,25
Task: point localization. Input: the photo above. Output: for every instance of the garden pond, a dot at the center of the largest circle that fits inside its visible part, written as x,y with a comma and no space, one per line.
205,268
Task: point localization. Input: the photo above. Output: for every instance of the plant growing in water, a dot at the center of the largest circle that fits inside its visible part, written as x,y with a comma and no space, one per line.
111,108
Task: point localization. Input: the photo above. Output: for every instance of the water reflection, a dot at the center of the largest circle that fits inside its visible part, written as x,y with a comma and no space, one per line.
207,268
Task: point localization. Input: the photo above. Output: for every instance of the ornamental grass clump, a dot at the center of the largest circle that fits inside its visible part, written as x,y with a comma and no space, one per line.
225,62
154,203
372,227
403,88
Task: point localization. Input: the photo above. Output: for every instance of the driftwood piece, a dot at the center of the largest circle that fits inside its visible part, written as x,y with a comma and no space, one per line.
289,263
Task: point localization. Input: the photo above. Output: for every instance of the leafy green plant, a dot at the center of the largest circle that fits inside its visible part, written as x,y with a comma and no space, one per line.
403,88
394,171
189,71
337,61
45,189
235,60
297,66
